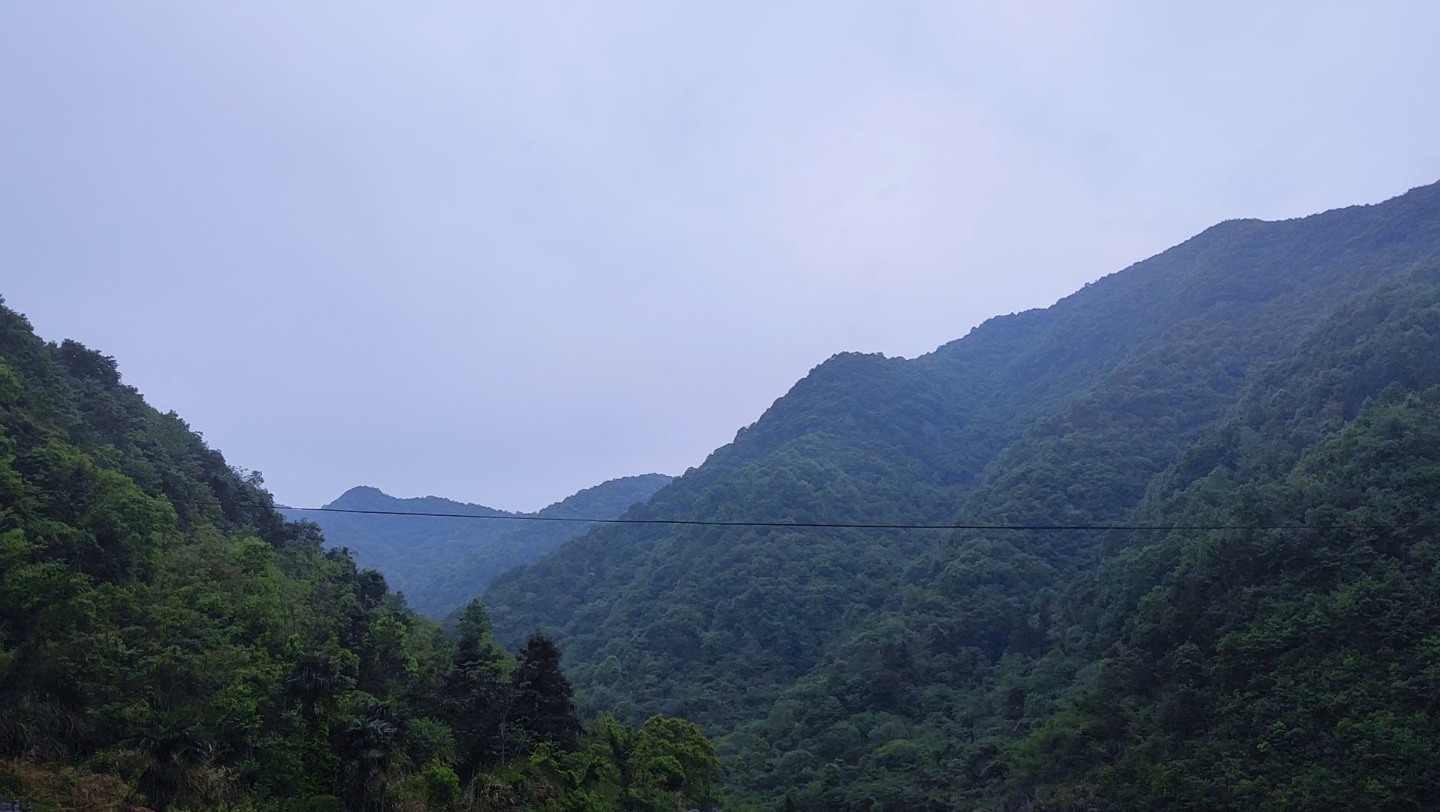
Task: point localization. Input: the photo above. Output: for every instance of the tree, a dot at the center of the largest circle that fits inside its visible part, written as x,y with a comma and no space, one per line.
476,699
171,750
367,746
543,703
678,757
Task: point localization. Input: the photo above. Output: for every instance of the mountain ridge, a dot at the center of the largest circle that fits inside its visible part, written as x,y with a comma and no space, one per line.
1066,415
367,497
169,641
440,562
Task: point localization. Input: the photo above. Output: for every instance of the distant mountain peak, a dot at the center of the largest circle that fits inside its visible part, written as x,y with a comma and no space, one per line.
364,491
361,496
366,497
440,562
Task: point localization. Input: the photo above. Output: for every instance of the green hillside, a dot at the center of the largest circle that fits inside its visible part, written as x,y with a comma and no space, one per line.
459,582
169,641
1265,395
407,549
922,669
441,563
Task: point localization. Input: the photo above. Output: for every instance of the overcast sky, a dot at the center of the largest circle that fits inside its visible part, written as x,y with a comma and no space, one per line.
501,252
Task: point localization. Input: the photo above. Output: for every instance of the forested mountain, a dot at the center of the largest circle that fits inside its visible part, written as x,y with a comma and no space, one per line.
441,563
1265,396
168,640
1260,374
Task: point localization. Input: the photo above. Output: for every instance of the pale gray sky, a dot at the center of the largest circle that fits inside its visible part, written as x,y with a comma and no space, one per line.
501,252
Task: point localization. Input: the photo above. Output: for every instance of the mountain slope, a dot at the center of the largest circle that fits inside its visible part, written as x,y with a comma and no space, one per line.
813,647
168,641
440,563
462,581
1311,647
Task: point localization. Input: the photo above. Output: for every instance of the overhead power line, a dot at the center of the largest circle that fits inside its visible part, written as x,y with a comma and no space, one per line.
1162,528
859,526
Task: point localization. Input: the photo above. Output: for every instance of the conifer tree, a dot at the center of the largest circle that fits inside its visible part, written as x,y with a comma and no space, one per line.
477,699
543,703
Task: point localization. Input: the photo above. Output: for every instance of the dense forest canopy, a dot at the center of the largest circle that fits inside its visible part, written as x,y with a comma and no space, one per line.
168,638
1240,378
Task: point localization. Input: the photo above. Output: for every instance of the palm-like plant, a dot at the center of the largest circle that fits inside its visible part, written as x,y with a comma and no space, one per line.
315,680
171,748
367,746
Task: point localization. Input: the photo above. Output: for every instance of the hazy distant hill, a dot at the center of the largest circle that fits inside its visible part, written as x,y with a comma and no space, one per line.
1266,394
1238,378
154,603
440,563
452,585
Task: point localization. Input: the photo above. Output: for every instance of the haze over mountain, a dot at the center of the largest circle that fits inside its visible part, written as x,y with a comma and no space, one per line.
1201,572
440,563
169,642
524,248
1261,373
506,251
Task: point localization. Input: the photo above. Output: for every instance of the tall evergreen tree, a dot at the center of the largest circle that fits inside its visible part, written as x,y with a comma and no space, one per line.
544,706
477,699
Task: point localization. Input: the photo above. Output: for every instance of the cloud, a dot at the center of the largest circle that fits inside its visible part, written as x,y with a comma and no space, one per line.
500,252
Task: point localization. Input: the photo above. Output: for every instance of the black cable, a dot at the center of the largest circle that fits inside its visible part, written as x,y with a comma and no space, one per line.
844,526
